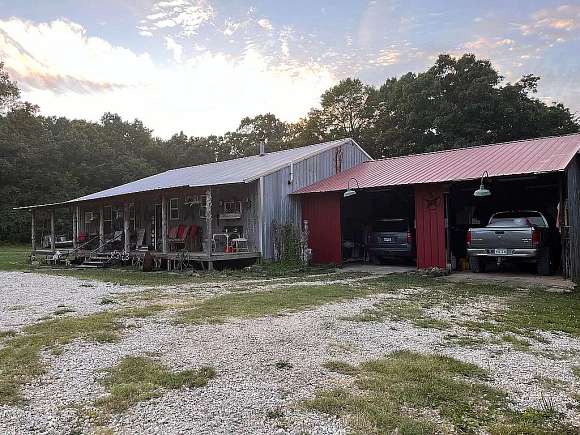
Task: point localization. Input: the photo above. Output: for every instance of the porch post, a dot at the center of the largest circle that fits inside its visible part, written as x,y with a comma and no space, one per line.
209,229
78,227
101,228
52,235
33,230
126,225
74,228
164,224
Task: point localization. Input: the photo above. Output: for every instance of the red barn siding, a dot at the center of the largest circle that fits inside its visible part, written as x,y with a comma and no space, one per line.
430,217
322,211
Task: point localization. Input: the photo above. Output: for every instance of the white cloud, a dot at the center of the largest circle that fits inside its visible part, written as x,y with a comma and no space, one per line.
68,73
265,24
556,24
186,15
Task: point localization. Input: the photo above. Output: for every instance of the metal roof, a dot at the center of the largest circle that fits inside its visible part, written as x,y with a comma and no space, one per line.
531,156
242,170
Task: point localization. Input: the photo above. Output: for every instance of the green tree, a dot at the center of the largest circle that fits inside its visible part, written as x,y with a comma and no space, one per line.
9,92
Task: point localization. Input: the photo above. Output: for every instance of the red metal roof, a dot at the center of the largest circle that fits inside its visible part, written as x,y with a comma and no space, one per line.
531,156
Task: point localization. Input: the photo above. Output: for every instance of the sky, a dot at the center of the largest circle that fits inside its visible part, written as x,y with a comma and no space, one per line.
199,66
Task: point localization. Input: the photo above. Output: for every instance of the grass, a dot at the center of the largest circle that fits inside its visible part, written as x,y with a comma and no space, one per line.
14,257
20,356
135,379
271,302
130,276
403,391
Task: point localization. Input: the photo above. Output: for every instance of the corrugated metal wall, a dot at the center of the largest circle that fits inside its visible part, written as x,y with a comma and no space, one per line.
574,218
284,208
430,217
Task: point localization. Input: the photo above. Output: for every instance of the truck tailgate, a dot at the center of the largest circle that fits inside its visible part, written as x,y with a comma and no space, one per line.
498,238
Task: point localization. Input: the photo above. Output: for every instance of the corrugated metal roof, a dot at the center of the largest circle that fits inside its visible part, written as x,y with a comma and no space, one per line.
241,170
549,154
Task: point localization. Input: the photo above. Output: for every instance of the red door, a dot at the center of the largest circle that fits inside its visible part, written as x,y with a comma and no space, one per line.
430,217
322,211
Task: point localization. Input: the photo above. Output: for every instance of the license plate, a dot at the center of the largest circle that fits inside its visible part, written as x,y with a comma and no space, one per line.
501,252
387,239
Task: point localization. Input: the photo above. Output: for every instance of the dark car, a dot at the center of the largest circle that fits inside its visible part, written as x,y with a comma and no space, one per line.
390,238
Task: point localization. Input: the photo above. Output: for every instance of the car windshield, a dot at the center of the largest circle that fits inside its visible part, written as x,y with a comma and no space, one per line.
519,218
390,226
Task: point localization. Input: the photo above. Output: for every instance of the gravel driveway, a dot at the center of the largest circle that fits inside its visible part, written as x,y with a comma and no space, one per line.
250,393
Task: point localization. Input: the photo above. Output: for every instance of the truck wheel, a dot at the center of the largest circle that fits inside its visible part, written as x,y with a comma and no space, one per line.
544,264
476,265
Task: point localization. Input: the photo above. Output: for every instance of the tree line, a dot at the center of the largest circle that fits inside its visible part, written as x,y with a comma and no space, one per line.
457,102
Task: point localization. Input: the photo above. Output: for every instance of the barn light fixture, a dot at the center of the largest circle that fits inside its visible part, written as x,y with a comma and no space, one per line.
350,191
482,191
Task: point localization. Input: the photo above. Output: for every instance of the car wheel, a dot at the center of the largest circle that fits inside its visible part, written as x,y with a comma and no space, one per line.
544,264
476,265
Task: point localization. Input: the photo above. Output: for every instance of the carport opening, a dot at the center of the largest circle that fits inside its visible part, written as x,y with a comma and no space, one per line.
378,226
541,193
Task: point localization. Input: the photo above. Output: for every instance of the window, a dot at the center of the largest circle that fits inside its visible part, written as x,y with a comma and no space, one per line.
174,209
108,219
203,207
233,207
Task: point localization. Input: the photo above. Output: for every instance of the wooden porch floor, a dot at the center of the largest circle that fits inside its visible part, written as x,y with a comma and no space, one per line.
194,256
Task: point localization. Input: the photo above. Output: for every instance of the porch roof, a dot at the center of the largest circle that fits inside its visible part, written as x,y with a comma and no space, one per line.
242,170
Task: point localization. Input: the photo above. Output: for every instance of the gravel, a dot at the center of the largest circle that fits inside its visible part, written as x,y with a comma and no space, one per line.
250,394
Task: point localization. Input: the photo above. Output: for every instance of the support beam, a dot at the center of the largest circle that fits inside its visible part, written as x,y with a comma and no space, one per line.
33,230
101,228
52,231
261,216
209,229
74,228
126,247
164,244
78,227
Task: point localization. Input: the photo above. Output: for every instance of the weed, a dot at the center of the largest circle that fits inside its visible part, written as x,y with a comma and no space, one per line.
107,300
283,364
63,310
275,413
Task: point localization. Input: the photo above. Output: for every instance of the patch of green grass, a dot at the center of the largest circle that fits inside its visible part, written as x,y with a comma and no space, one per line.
399,311
7,333
272,302
135,379
129,276
394,393
541,310
14,257
517,343
576,371
550,383
63,310
20,355
341,367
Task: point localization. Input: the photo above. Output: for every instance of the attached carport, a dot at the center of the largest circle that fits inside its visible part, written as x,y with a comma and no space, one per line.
541,174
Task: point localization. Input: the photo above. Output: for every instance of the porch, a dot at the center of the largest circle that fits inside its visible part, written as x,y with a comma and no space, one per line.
174,226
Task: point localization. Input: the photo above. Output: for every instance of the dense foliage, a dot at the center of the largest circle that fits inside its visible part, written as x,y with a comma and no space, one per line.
457,102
